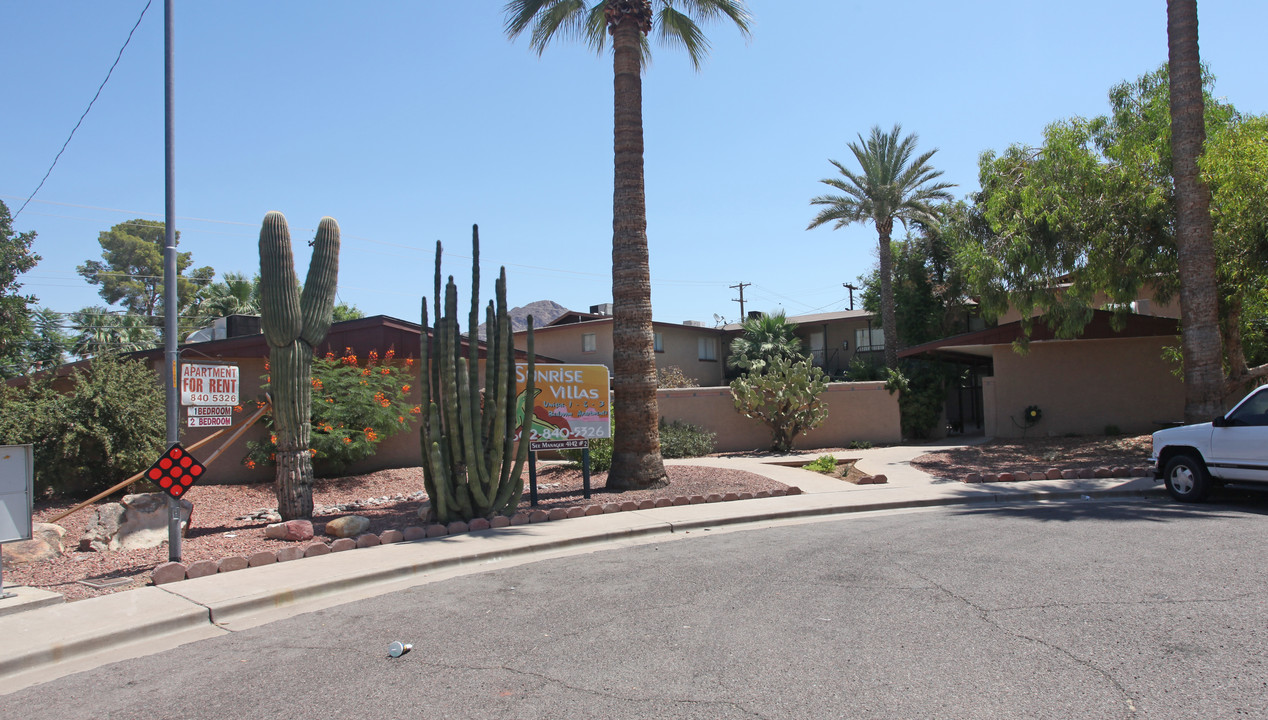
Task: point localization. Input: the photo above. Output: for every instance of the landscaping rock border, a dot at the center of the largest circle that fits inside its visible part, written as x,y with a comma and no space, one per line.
1057,474
174,571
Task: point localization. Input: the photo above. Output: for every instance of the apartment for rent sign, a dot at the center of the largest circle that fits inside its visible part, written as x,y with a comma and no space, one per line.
209,384
571,402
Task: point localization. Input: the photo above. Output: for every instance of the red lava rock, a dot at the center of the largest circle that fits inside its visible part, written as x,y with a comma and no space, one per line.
647,504
1103,472
479,524
594,510
1069,474
1004,477
1086,474
501,521
343,544
231,563
202,568
263,557
762,494
746,496
576,511
367,540
1053,474
973,478
457,527
415,532
611,508
288,554
317,548
664,502
682,500
713,497
168,572
519,518
629,505
391,536
538,516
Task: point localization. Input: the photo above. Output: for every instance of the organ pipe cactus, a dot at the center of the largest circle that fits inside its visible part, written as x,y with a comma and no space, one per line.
293,325
471,465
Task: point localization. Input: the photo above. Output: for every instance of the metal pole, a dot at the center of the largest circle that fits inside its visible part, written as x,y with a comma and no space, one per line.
171,300
532,478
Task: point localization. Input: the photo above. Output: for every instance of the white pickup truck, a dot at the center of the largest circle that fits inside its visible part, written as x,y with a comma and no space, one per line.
1231,448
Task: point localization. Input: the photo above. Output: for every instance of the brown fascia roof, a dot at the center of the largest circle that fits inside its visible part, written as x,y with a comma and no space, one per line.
1099,328
377,332
608,319
812,318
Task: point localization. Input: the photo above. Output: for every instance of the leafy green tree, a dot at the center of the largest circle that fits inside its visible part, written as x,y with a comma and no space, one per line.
46,343
1090,217
131,269
763,338
929,299
892,185
785,396
15,316
107,426
637,461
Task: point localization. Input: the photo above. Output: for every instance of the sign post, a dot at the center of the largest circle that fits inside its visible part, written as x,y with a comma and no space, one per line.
572,406
209,390
17,475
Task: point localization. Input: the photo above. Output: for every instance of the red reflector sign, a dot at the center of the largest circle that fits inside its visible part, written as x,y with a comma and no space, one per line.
175,471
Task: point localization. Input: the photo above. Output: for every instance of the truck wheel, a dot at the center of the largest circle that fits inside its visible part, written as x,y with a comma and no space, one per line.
1187,479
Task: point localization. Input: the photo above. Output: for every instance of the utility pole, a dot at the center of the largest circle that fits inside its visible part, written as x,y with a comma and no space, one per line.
170,295
740,299
851,288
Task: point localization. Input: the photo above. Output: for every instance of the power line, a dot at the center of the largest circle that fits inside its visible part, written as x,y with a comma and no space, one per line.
90,104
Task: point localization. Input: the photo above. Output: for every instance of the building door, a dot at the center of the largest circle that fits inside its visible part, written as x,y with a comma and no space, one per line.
817,347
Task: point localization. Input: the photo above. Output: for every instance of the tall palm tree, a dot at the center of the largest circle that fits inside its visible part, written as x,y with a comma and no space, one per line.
1199,298
892,185
237,294
636,459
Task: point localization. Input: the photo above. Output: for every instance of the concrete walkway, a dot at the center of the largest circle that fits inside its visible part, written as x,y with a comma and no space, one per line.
51,640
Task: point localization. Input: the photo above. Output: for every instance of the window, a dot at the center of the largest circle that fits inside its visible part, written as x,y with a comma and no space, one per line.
587,343
659,343
708,348
869,340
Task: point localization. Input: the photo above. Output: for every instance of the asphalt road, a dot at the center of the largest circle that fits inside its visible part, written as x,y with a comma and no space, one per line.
1084,609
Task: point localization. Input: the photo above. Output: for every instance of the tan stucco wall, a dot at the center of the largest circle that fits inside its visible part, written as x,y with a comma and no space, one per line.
682,348
1082,386
856,411
680,342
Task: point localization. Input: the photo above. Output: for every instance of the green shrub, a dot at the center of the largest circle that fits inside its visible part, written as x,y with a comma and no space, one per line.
860,445
826,464
354,409
684,440
108,426
1113,430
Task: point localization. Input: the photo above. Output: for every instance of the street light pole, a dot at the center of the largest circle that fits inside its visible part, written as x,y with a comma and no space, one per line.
171,300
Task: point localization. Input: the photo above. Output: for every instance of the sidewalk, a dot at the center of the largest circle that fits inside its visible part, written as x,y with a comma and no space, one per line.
53,640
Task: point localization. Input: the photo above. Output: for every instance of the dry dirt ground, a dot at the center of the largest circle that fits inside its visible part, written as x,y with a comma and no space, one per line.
389,500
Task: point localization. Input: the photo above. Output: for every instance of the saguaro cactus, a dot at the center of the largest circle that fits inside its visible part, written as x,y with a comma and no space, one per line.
293,324
470,464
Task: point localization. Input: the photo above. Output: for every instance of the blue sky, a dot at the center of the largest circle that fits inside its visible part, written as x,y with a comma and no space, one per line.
409,121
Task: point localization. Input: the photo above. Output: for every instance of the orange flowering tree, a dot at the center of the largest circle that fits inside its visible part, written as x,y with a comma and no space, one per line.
356,405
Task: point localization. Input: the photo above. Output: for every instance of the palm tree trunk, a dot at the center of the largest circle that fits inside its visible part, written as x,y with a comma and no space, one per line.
888,316
1199,299
636,460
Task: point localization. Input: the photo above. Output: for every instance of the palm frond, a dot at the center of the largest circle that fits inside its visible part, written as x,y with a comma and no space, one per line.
709,10
548,19
675,29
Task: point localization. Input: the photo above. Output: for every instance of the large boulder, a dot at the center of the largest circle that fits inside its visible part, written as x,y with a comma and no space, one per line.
349,526
296,530
45,544
136,521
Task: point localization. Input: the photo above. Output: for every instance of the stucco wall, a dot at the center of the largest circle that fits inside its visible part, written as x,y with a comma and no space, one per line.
1082,386
856,411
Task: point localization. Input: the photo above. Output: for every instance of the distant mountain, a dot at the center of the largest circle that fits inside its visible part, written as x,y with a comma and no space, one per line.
544,312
